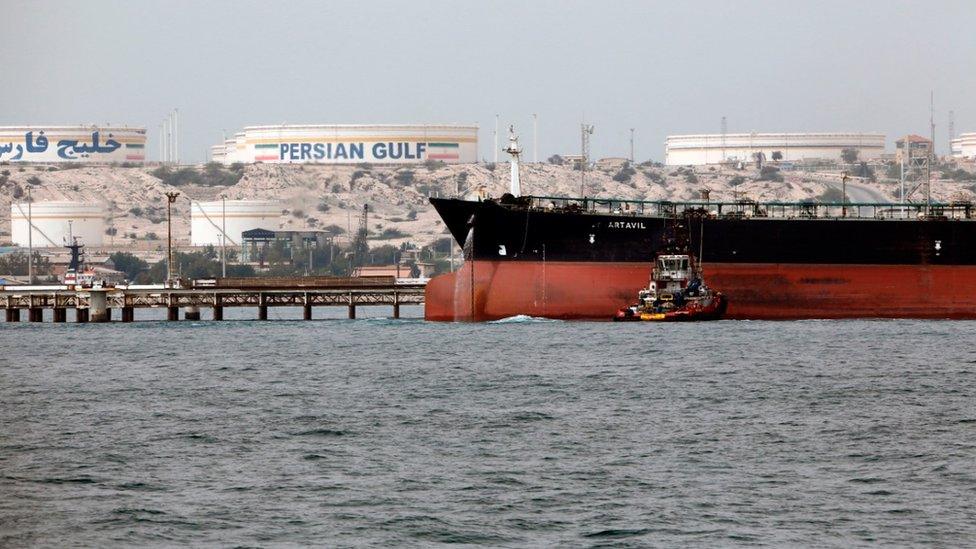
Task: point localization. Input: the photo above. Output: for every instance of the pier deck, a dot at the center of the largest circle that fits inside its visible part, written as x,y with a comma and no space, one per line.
97,304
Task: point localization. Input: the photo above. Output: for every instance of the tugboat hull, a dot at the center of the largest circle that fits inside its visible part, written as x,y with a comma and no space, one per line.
714,310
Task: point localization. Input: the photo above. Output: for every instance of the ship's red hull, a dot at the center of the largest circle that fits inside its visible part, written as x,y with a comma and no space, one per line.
489,290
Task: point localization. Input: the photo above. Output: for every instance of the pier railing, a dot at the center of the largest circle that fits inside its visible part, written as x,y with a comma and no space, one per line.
753,209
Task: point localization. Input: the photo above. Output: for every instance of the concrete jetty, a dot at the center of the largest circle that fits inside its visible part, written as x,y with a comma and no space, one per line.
99,304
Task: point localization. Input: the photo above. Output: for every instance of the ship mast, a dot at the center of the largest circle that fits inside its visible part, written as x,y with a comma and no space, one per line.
515,185
77,256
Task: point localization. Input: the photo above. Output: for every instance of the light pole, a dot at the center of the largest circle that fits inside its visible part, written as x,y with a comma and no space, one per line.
30,239
632,145
843,192
171,198
223,237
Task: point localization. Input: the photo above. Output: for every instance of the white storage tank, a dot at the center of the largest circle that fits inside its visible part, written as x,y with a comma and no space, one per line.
208,218
351,144
74,144
703,149
55,223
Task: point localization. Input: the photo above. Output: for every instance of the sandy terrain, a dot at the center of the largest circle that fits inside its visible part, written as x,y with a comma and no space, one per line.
317,196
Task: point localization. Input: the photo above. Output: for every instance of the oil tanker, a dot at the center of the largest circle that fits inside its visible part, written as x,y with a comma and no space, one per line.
584,258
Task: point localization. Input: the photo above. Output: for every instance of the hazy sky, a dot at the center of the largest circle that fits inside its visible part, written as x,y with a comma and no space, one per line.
659,67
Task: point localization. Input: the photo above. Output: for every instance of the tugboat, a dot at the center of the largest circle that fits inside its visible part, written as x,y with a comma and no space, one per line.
76,275
677,290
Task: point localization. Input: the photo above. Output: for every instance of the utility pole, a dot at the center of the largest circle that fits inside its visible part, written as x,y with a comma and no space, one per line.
535,138
170,199
951,129
30,238
165,125
176,135
632,145
725,131
495,157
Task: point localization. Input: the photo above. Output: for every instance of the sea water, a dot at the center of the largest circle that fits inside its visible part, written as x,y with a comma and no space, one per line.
380,432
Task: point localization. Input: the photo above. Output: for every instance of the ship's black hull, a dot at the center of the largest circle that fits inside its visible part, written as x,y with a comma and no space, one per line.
504,233
567,264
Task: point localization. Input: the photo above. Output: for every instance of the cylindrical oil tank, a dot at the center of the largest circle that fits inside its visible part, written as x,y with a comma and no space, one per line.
351,144
57,223
208,219
73,144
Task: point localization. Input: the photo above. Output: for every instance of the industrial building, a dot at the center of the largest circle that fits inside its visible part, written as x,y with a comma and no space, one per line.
964,146
350,144
209,219
256,243
57,223
77,144
696,150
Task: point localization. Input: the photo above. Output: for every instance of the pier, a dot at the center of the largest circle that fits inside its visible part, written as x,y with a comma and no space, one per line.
102,304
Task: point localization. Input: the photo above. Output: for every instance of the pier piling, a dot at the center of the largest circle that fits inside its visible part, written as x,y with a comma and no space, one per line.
81,315
262,307
13,315
128,314
172,313
218,312
98,307
60,314
191,313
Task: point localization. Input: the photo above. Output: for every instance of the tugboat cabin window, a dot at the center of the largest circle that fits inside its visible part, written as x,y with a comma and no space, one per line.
673,264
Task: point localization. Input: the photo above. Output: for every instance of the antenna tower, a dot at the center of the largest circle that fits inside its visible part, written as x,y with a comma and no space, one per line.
586,130
916,168
932,120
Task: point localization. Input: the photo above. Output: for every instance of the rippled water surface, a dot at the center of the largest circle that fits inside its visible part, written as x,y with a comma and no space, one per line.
378,432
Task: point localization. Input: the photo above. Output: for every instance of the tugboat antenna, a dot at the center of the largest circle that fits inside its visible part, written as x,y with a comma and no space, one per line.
701,241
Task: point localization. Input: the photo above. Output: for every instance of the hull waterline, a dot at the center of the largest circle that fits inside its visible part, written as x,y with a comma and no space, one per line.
489,290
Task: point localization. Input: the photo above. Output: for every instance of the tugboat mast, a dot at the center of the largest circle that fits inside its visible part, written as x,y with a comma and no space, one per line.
76,254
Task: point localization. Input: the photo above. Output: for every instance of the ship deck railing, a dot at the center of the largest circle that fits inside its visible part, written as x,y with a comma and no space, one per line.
746,209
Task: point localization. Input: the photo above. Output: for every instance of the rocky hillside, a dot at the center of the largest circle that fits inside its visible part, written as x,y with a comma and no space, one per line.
332,196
